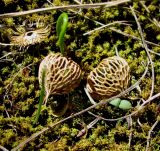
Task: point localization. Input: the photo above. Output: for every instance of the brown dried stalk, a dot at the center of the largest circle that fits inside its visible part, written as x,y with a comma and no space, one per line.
146,49
149,135
84,6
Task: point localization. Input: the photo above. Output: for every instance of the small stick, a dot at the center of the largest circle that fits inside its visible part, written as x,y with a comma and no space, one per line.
146,48
3,148
140,124
84,6
149,135
154,21
103,26
156,53
90,125
89,96
10,53
130,123
133,37
7,44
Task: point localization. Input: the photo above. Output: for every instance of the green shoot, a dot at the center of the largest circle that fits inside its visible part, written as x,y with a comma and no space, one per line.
42,94
61,27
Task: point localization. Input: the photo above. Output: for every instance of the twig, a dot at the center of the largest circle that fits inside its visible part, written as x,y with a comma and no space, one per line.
78,2
154,21
49,2
5,44
149,135
90,125
130,123
89,96
79,113
146,48
131,36
156,53
151,51
3,148
10,53
103,26
84,6
140,124
5,60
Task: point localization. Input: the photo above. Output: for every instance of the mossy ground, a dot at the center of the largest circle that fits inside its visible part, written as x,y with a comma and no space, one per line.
19,87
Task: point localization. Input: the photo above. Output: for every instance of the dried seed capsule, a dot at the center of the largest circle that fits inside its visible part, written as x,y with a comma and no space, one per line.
62,74
109,78
24,37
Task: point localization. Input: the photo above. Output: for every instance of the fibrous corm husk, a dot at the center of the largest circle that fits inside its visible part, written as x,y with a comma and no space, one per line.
109,78
62,74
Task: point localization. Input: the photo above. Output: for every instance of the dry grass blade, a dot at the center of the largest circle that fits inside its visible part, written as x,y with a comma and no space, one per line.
84,6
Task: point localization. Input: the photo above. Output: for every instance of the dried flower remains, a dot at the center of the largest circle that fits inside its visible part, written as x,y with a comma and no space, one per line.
30,33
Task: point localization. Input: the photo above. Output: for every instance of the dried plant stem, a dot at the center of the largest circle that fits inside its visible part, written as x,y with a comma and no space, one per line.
3,148
154,20
130,123
140,124
146,48
81,112
90,125
89,96
156,53
5,44
131,36
149,135
103,26
10,53
84,6
118,31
